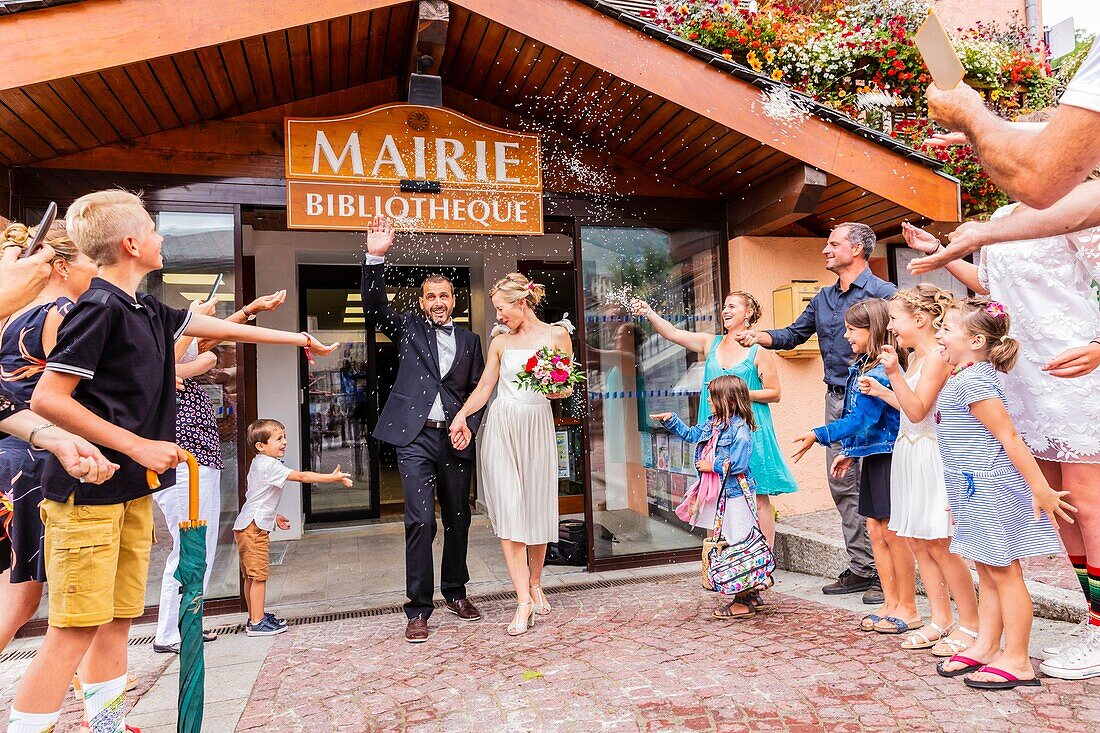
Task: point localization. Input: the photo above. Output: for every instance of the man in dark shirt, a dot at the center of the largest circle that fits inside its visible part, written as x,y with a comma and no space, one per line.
846,255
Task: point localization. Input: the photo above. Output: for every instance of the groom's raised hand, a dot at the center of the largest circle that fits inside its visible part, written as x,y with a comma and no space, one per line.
379,236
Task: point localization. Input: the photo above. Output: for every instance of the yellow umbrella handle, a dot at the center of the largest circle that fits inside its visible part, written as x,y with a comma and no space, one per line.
192,489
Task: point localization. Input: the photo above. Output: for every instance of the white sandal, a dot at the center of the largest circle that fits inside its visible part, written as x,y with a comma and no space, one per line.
919,639
519,628
542,606
948,647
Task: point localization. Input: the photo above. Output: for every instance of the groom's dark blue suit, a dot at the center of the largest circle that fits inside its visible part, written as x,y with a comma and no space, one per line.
425,457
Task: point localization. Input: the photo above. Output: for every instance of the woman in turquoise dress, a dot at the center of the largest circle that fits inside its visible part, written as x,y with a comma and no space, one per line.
758,368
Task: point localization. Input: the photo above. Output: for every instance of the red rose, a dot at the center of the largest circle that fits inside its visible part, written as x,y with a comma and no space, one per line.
531,364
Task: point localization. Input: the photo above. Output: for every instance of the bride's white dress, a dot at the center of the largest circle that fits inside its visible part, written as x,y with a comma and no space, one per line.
517,459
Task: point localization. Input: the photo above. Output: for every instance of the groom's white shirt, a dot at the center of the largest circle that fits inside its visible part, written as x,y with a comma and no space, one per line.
445,346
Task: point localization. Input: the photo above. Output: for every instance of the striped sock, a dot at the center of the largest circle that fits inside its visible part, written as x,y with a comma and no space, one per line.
103,705
1080,566
1094,591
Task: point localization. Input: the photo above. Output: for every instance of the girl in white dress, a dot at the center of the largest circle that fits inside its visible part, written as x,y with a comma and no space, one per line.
1046,287
517,454
918,494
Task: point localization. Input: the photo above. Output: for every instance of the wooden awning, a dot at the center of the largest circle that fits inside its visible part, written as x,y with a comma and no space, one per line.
200,87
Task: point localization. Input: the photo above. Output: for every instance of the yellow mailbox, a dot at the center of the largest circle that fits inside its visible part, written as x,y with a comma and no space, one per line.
788,303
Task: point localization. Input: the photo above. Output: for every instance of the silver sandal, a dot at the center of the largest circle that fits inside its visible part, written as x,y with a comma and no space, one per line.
948,647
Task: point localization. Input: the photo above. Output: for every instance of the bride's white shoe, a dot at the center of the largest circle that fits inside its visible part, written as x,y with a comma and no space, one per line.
538,597
518,627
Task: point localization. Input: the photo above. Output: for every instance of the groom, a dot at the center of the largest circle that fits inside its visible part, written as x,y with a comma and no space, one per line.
439,365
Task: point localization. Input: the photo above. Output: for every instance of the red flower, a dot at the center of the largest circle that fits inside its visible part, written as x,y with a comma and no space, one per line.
892,53
531,364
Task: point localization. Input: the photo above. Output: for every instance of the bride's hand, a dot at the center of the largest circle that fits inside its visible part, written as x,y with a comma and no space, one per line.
460,433
564,394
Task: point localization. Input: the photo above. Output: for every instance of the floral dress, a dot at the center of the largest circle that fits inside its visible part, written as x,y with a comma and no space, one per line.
1046,285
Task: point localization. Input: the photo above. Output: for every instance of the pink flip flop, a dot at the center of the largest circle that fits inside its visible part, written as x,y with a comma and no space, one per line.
1009,682
972,665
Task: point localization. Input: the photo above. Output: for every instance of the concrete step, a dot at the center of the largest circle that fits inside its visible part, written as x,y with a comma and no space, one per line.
801,549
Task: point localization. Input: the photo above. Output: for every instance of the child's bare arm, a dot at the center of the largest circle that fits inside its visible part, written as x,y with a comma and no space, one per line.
53,400
995,418
313,477
206,327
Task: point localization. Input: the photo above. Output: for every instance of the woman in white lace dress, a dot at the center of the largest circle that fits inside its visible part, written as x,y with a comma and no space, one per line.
1047,286
517,454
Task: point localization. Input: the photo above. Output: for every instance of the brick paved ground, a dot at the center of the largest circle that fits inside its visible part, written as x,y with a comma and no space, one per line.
642,657
1053,570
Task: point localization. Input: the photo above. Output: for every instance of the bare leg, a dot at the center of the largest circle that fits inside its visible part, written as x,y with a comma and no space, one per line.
766,518
1016,614
257,592
18,604
935,585
990,622
515,557
883,565
248,597
46,681
905,575
961,584
536,556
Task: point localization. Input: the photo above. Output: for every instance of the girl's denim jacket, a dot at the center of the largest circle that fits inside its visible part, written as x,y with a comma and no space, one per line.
731,454
869,425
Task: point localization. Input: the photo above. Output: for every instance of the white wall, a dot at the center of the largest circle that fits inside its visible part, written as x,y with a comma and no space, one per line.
279,253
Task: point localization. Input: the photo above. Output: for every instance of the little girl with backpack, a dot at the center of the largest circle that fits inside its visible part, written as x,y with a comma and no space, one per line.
737,559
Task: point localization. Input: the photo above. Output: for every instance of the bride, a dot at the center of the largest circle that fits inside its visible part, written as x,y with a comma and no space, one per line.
517,455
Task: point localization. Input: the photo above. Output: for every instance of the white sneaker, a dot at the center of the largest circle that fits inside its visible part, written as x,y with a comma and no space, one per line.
1075,638
1079,663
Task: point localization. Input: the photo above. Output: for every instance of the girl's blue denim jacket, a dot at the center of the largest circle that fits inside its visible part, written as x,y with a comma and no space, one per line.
731,454
869,425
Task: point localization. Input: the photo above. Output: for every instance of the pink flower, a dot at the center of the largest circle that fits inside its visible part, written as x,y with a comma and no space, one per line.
559,375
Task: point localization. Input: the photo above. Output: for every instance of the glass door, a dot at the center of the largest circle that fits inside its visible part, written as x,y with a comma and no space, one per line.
337,409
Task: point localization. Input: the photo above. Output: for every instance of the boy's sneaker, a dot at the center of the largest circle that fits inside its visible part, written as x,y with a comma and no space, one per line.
1079,662
278,621
266,627
1073,639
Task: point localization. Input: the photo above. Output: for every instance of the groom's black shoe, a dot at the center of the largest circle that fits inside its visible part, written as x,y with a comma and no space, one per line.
464,608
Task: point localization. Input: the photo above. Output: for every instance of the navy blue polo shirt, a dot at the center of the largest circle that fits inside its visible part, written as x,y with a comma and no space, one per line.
123,351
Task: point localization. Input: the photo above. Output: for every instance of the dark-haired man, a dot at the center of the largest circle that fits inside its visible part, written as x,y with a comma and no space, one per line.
439,365
847,253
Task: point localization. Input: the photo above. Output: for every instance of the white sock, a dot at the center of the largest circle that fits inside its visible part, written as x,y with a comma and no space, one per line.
32,722
104,705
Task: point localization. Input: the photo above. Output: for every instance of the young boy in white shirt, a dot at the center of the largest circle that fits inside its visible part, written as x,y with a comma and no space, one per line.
266,477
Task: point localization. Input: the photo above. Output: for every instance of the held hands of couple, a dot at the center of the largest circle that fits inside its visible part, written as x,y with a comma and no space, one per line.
461,435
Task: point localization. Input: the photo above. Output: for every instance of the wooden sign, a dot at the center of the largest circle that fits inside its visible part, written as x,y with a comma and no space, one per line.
342,171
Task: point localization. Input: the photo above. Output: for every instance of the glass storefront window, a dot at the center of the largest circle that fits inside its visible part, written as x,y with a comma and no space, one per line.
639,472
197,248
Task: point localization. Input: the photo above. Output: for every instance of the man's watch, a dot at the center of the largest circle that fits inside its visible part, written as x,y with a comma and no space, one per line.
248,315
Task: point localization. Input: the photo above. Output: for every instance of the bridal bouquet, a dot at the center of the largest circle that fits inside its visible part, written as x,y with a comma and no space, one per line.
549,371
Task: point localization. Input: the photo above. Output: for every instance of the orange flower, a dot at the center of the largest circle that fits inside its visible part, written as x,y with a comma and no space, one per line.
777,74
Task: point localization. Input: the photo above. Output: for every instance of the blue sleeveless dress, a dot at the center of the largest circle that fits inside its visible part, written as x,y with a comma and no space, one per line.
22,361
766,464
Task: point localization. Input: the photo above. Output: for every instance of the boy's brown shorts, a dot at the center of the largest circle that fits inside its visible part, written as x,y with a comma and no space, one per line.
97,560
254,548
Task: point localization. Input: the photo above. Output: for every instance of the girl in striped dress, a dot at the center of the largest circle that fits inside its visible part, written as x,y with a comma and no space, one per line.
1002,507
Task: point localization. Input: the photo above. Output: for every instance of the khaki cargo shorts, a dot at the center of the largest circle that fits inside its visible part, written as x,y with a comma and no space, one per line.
97,560
254,547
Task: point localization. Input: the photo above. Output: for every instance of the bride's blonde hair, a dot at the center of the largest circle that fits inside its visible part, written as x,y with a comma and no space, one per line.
515,287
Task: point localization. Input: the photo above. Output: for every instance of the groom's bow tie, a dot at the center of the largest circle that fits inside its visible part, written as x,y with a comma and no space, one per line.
447,328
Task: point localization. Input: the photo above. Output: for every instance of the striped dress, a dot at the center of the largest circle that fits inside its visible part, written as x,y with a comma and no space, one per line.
990,501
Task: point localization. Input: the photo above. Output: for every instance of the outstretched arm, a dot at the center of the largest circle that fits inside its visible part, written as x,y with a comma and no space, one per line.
207,327
1035,167
690,340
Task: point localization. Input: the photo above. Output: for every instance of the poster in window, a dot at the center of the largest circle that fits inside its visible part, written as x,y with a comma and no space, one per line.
677,488
662,452
647,449
675,454
664,500
565,467
689,458
651,487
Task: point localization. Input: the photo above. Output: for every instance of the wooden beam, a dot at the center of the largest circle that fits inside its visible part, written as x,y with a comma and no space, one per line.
777,202
608,44
112,33
246,146
430,35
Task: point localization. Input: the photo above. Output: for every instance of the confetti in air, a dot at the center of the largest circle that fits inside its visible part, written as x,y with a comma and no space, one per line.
880,100
619,295
781,105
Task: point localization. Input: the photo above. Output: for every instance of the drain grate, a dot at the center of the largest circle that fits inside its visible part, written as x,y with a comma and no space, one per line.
324,618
